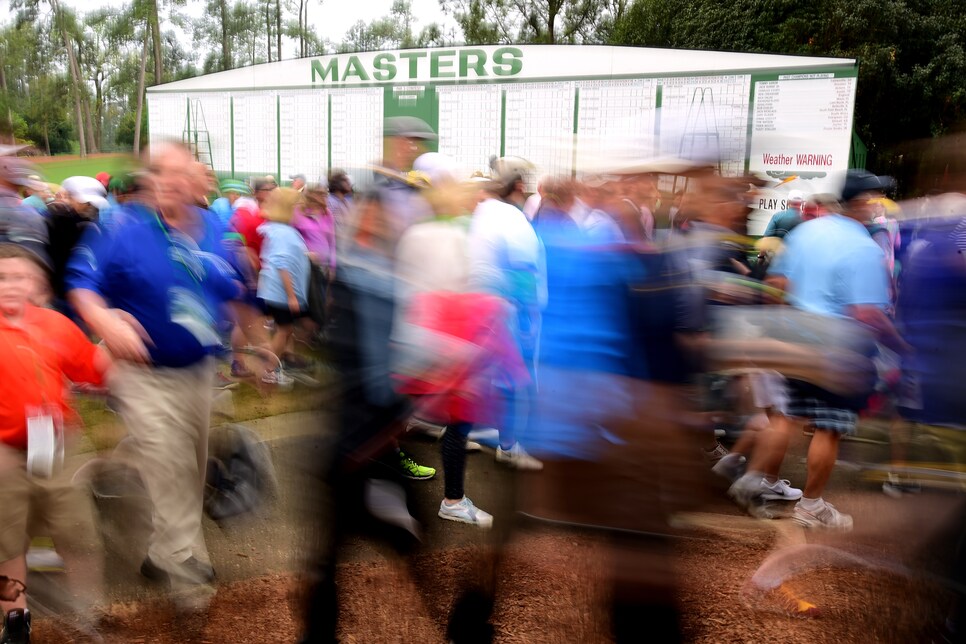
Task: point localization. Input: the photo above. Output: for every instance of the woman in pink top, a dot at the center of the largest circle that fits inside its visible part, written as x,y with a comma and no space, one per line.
314,221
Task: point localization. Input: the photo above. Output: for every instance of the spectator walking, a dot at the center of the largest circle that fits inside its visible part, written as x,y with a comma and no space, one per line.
153,288
832,267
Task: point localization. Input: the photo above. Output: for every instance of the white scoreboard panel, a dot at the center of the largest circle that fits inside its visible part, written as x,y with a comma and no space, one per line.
356,120
166,116
304,123
615,120
539,125
256,133
469,124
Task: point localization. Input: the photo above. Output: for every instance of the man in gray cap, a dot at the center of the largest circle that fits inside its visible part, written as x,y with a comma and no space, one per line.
20,224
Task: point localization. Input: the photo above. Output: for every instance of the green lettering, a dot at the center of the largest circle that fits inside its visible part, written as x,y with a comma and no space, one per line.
507,61
385,66
437,64
413,58
478,65
355,68
323,72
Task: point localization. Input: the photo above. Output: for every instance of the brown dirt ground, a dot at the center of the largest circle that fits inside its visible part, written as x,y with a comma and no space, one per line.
551,590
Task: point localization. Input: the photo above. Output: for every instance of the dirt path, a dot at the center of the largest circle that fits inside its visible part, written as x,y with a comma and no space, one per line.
552,591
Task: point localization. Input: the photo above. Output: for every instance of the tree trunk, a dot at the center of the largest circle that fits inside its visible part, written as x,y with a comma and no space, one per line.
99,107
140,109
46,140
226,61
301,29
74,79
6,97
156,35
278,28
85,103
268,29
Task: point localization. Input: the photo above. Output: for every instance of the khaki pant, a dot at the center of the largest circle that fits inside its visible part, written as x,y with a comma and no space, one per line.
166,411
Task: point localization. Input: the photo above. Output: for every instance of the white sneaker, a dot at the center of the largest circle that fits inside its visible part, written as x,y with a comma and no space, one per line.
748,493
473,446
780,490
279,378
731,466
826,517
465,512
517,458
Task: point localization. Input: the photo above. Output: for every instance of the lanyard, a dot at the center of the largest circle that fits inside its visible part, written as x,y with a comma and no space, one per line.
179,250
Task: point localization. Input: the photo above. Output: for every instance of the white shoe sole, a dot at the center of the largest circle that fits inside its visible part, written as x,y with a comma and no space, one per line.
771,496
809,524
484,524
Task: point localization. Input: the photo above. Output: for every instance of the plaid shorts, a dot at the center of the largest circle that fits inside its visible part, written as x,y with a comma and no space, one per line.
822,409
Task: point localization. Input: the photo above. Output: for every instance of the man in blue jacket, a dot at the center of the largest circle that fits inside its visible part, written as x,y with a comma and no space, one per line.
153,287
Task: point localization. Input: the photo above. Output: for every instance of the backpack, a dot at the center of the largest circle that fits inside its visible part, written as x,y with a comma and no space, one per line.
240,476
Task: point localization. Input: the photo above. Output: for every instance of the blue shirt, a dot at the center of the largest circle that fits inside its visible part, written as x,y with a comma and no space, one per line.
223,210
586,340
831,264
283,249
171,284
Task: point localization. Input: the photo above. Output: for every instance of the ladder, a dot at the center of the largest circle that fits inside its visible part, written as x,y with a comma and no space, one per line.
195,133
701,134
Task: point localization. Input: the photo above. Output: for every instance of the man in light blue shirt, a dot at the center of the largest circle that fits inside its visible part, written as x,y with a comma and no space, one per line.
832,267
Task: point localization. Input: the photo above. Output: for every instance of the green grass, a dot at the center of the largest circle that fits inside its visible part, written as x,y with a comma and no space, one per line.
56,170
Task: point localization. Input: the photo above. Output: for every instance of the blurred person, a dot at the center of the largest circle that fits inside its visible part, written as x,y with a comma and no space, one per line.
506,260
609,443
642,195
37,195
587,212
718,255
103,178
340,197
246,243
314,221
283,280
436,307
249,216
298,182
366,463
532,204
18,223
153,288
394,203
830,266
42,349
67,219
884,229
785,221
231,192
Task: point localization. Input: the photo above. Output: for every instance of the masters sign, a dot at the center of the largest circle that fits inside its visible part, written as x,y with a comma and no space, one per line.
416,65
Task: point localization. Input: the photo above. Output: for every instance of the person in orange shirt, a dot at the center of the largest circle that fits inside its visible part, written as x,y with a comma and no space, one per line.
40,350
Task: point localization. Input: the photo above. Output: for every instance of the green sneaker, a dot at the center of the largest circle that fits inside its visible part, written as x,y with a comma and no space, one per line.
413,470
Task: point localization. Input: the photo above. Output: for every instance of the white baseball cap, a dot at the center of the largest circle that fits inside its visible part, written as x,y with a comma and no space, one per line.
86,190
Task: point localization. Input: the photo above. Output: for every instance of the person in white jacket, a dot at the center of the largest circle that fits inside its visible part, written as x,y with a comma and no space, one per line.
506,259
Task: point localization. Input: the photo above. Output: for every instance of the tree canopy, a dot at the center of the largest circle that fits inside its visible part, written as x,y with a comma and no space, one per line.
71,81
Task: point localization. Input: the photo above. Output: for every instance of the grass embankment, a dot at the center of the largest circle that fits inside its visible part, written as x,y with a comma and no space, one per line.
57,168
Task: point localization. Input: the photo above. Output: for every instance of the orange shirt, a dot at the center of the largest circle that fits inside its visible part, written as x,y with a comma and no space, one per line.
34,360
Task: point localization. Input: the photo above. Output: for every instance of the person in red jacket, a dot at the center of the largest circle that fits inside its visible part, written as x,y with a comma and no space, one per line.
42,349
